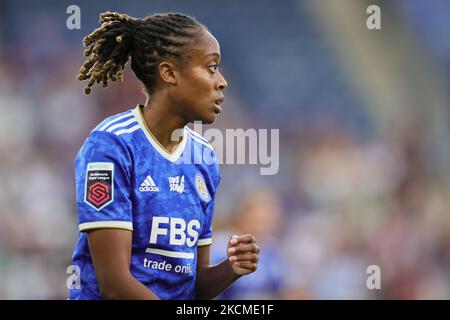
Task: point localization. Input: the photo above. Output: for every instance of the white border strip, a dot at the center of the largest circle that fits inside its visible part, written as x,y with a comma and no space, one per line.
107,225
129,130
129,113
173,254
205,242
196,134
201,141
121,124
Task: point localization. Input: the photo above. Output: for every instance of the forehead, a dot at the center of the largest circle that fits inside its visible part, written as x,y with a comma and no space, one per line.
205,45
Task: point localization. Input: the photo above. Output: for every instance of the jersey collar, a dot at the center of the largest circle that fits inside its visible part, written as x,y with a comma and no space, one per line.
171,156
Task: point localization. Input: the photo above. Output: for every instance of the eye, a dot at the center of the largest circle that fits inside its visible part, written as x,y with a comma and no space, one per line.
213,67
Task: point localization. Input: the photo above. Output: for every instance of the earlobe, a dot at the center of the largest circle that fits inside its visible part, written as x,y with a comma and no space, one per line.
167,72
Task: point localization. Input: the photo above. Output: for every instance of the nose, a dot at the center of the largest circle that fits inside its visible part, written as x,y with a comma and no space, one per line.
221,83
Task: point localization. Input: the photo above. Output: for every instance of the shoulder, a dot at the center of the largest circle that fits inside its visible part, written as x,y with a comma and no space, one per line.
119,124
208,159
202,148
198,140
111,136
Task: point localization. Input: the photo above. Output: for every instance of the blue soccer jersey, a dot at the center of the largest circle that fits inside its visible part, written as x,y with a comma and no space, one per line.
125,179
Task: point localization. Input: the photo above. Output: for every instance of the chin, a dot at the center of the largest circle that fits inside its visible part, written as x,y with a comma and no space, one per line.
209,119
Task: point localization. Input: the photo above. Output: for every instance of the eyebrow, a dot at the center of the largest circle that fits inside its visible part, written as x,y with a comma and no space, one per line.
213,54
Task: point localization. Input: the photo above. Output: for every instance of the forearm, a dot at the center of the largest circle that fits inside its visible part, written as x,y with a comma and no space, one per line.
213,280
126,288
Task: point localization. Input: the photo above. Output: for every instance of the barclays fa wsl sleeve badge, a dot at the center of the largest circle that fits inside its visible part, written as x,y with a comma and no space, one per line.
201,187
99,191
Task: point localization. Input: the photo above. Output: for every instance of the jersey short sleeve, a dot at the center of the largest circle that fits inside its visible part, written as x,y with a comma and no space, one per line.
102,178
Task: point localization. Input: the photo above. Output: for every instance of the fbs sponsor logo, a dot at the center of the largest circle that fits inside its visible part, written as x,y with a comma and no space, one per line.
148,185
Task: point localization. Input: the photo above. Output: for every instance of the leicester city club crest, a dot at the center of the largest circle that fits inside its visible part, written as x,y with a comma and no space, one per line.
202,190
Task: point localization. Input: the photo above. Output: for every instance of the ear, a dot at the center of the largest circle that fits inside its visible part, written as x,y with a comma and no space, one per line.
167,72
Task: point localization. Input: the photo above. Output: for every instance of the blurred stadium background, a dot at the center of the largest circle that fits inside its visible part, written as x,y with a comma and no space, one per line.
364,142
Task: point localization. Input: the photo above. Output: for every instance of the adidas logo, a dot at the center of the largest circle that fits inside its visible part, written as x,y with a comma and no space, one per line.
148,185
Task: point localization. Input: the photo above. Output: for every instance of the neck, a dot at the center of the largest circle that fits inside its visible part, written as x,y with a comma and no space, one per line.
161,119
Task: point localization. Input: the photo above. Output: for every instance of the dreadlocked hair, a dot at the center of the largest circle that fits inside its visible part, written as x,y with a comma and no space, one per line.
147,41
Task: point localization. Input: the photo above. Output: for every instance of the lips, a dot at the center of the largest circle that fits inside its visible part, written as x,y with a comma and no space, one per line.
219,101
217,107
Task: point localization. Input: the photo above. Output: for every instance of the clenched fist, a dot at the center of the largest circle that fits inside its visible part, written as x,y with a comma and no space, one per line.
243,254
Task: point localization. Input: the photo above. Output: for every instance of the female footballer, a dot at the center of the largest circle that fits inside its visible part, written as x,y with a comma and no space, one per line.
145,208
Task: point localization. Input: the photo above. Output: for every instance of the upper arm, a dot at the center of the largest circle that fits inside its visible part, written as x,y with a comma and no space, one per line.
203,256
111,254
104,205
102,179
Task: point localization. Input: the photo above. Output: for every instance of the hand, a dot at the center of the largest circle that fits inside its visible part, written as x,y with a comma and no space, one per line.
243,254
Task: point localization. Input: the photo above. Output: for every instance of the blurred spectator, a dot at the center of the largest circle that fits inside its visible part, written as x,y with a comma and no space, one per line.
258,212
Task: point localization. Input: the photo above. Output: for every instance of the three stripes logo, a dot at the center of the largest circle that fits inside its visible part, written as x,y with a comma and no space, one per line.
148,185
